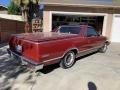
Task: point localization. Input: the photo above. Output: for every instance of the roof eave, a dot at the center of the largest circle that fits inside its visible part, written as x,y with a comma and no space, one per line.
3,6
81,5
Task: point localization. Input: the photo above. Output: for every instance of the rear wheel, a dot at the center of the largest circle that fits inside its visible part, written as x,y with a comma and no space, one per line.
104,48
68,60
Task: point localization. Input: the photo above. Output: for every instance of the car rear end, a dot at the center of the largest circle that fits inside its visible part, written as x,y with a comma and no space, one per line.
25,51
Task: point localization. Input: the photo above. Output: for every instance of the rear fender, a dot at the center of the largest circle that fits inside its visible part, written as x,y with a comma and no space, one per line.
70,49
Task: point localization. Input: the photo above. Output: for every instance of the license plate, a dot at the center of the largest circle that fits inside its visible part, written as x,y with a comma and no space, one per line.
19,48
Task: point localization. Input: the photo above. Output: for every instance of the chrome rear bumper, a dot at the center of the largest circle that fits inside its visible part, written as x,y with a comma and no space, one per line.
25,61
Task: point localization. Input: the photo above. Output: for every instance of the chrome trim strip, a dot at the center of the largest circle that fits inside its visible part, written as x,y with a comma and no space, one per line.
45,55
61,56
86,52
69,50
90,49
52,59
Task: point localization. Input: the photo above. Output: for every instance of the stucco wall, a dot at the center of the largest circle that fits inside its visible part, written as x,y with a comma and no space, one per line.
4,12
46,21
109,25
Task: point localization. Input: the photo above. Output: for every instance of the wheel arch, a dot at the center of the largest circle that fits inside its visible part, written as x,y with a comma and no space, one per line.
75,50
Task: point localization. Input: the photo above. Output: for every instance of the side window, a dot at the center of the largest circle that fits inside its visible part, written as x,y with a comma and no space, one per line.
74,30
70,30
91,32
64,30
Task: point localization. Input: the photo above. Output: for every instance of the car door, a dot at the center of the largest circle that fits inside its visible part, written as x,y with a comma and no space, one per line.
93,38
80,41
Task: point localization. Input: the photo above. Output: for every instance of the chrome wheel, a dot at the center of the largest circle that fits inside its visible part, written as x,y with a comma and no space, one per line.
68,60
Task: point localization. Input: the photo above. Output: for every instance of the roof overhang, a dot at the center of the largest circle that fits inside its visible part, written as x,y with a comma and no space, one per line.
3,7
11,17
81,4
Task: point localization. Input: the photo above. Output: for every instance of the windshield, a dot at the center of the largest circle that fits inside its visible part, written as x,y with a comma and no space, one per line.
70,30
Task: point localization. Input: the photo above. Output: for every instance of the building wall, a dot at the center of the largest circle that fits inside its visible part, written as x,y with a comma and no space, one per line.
108,18
4,12
8,27
46,21
109,25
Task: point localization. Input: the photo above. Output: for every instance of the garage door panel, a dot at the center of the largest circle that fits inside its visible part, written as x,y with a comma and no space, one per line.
116,29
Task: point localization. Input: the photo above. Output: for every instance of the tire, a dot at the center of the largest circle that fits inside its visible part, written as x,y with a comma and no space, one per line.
103,49
68,60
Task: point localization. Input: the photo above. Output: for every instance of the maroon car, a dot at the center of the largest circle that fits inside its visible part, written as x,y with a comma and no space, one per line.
69,42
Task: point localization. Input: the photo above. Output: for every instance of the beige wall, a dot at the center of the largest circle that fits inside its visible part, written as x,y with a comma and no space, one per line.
109,25
4,12
47,21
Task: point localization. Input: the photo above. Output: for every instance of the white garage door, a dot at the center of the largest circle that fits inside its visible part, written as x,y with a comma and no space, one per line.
116,29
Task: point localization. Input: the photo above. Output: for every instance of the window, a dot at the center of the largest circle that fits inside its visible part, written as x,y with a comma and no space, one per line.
91,32
70,30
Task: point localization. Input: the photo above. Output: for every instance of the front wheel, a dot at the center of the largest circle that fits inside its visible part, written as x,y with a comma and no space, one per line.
68,60
104,48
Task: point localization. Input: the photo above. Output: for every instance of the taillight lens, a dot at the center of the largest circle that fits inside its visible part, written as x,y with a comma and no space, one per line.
18,48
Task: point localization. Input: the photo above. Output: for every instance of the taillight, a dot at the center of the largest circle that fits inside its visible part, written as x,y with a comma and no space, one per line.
18,48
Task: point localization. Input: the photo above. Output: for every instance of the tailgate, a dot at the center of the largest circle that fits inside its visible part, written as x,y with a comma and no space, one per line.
25,48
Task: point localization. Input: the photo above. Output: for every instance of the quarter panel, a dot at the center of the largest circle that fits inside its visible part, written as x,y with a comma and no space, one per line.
54,49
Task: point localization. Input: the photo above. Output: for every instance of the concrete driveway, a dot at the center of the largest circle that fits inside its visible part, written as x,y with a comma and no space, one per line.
97,71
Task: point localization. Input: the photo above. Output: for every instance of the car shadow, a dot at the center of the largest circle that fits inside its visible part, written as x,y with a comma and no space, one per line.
81,58
50,68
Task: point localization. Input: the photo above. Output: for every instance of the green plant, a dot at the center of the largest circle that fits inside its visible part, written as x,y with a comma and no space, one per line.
14,9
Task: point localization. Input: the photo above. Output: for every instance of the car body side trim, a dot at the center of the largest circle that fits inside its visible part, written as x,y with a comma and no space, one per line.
52,59
90,49
79,52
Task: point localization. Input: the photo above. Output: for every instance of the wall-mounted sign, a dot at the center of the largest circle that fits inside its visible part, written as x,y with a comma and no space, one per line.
36,25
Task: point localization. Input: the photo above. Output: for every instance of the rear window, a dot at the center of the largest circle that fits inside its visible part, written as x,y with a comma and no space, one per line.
70,30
